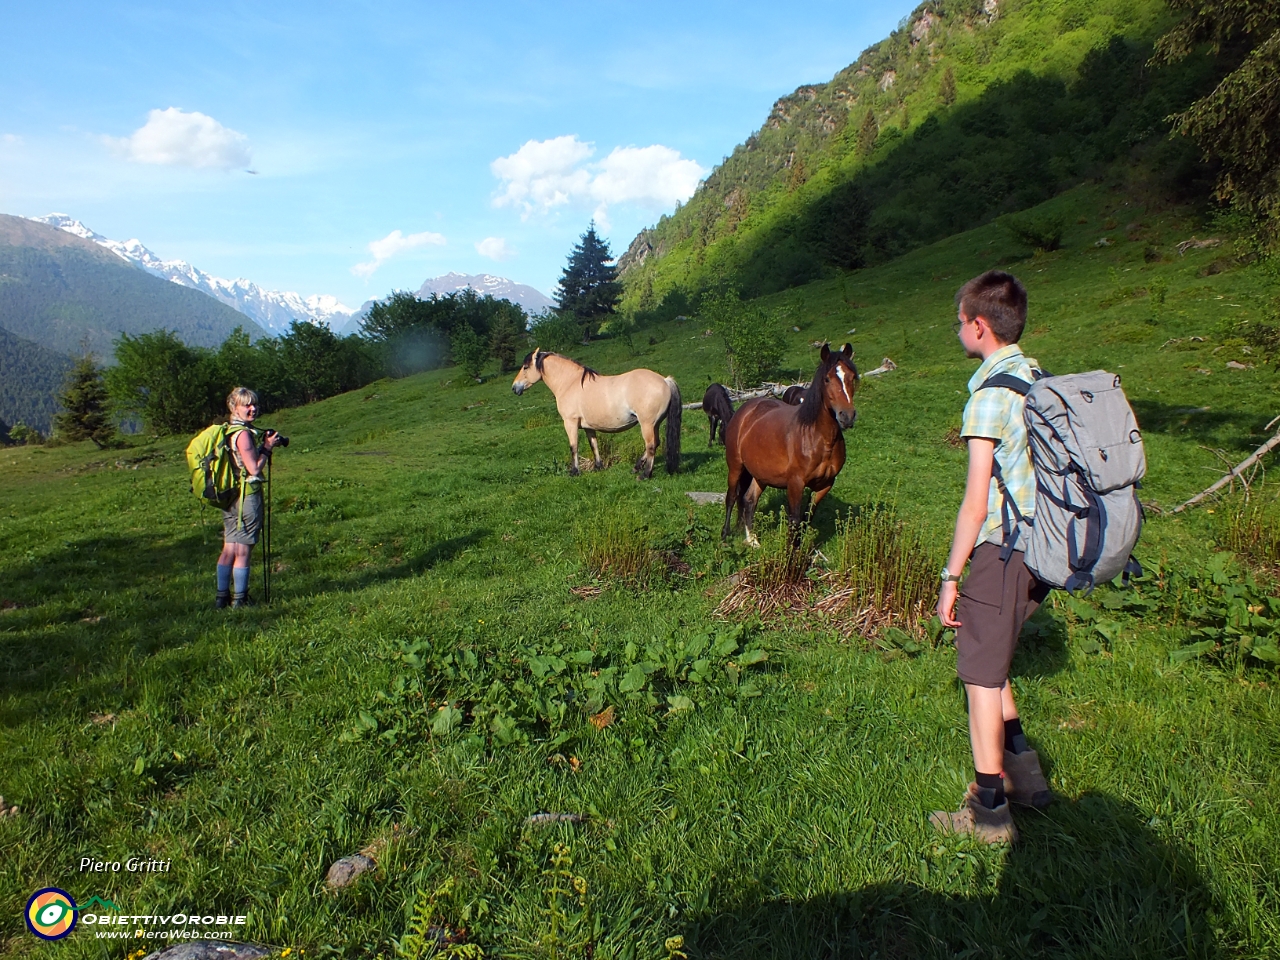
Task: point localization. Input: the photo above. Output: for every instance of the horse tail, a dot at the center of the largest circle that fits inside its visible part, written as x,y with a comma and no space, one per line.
674,411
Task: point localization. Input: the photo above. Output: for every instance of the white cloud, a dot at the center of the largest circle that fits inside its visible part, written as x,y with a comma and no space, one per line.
176,138
393,243
544,174
495,248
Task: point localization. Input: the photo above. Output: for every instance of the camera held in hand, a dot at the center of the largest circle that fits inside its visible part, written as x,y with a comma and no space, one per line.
281,439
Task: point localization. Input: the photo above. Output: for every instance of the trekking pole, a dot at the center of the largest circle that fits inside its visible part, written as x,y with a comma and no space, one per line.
266,545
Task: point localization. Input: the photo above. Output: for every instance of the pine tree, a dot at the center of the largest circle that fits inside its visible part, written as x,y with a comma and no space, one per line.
84,402
867,134
589,288
947,89
1236,123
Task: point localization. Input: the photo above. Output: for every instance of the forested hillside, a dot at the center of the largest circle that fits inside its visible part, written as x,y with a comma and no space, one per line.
29,377
59,290
970,110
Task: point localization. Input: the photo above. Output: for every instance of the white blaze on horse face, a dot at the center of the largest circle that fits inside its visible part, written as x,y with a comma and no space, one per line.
843,382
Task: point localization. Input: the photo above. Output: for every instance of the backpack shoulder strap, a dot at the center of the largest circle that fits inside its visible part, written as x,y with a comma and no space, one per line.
1010,382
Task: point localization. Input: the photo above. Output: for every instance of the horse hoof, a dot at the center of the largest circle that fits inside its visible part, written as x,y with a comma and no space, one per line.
573,471
753,541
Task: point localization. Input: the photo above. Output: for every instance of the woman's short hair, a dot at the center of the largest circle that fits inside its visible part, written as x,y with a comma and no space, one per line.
240,396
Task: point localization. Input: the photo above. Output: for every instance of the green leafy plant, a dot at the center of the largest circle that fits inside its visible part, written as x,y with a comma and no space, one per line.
1042,234
753,339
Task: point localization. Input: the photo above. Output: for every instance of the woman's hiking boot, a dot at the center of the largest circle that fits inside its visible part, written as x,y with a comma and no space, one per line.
976,819
222,600
243,600
1024,783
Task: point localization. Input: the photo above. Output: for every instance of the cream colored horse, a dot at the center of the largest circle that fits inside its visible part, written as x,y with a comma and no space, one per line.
592,401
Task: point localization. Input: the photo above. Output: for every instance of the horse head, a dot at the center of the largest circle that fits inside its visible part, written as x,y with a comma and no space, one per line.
530,372
837,380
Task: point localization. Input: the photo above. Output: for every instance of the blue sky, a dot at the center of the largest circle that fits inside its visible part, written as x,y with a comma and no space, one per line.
391,142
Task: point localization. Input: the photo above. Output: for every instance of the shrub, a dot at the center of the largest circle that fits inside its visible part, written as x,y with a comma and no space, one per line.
753,340
1042,234
469,351
556,331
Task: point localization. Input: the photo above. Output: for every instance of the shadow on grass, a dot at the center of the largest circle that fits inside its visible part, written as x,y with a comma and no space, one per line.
1247,430
90,602
1088,879
442,552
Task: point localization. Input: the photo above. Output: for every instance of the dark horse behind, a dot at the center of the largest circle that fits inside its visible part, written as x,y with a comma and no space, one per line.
718,406
773,444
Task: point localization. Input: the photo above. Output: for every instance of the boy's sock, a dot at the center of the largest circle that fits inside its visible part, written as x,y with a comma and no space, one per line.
241,577
224,577
1015,740
990,789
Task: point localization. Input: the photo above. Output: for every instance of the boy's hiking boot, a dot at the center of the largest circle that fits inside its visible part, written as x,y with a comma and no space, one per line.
977,820
1024,783
243,600
222,600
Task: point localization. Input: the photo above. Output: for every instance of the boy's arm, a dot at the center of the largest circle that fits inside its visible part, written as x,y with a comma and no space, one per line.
969,521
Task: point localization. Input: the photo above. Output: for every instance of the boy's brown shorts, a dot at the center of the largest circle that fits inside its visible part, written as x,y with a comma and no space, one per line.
995,601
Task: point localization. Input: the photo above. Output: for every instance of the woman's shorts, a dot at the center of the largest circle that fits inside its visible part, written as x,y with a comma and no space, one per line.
247,533
995,600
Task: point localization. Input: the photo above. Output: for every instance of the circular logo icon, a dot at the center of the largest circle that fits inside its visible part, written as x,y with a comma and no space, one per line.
51,913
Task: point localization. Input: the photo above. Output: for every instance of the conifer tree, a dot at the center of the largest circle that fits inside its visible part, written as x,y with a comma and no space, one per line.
867,134
589,288
947,89
84,402
1236,123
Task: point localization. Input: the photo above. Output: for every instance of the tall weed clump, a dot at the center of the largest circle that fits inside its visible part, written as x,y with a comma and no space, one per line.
618,546
886,572
778,580
1252,531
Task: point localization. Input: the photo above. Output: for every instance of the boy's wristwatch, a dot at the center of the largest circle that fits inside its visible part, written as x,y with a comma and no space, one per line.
948,577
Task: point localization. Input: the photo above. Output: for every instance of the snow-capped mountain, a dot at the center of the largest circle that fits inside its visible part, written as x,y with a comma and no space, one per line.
500,288
271,309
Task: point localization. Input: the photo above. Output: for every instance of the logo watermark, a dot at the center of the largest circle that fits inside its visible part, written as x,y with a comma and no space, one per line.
51,913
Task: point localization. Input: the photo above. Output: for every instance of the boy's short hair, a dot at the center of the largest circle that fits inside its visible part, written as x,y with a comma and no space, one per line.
242,396
1000,299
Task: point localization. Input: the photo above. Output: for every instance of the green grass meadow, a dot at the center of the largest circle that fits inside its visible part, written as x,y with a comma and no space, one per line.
424,677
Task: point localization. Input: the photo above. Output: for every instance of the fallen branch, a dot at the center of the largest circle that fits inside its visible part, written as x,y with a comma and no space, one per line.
1244,465
885,366
771,389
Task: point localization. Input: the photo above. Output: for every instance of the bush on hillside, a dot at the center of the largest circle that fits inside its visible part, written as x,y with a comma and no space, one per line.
753,339
1042,234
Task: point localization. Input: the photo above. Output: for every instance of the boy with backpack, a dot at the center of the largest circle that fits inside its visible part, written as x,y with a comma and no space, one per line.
999,593
242,520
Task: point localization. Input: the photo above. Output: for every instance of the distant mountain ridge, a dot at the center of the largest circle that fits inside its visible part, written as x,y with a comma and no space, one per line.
500,288
532,300
273,310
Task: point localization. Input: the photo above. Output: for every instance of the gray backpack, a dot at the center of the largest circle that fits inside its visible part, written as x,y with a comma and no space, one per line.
1087,453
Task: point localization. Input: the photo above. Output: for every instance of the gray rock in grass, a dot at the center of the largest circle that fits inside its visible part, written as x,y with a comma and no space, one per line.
346,871
702,498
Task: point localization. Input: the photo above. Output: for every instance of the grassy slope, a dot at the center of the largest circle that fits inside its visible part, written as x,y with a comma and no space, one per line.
788,824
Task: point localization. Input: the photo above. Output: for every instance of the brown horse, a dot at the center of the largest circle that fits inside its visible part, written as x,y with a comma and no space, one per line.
592,401
773,444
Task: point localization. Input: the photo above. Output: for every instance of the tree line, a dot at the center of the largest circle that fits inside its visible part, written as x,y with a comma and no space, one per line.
172,387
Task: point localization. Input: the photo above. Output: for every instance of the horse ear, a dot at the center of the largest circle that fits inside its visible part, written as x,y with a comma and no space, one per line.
848,350
826,353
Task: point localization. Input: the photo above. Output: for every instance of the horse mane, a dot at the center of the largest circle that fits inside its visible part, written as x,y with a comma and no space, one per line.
814,404
543,354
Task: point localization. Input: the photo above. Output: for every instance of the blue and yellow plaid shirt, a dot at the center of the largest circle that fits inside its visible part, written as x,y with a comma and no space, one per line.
996,414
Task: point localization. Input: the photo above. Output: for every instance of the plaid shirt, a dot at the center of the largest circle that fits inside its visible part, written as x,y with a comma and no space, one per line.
996,414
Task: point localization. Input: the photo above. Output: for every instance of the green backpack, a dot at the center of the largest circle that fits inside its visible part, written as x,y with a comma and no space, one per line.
214,478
